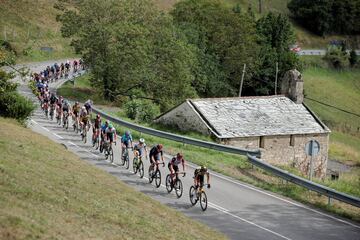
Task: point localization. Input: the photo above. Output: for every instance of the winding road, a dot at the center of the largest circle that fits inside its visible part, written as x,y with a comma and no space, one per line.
239,210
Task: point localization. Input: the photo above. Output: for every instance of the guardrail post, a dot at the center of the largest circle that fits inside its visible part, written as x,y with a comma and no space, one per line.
329,201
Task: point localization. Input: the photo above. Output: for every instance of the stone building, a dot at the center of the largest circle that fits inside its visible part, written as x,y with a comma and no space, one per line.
280,126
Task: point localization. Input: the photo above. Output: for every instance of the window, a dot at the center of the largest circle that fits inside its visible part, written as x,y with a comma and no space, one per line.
262,142
292,140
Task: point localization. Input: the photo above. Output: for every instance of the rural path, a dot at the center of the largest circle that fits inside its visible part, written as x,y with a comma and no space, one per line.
239,210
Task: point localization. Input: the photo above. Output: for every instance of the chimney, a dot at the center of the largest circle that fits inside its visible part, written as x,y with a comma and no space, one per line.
292,86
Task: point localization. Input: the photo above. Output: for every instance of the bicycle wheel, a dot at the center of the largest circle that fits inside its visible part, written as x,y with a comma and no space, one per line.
135,165
67,124
141,169
203,200
106,152
101,148
192,195
123,156
127,162
111,154
157,178
168,184
178,188
151,174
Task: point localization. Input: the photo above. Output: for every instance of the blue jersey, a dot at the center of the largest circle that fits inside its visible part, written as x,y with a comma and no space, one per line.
126,139
103,127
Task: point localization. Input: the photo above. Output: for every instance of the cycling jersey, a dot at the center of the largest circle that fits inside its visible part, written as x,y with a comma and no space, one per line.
126,139
175,161
140,148
53,99
97,122
110,132
76,109
154,152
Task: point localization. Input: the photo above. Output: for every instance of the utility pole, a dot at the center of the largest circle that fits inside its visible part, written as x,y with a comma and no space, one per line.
242,79
260,6
276,77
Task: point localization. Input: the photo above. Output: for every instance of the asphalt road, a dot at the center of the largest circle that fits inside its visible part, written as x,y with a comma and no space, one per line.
239,210
318,52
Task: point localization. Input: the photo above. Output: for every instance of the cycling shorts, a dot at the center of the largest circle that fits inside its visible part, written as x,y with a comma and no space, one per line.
110,136
175,167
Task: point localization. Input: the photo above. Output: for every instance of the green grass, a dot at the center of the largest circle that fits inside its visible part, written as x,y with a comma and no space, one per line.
49,193
340,89
30,25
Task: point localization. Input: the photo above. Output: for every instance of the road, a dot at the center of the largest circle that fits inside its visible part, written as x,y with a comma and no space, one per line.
317,52
239,210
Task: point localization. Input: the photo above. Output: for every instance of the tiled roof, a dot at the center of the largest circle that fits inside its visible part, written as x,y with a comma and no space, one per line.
256,116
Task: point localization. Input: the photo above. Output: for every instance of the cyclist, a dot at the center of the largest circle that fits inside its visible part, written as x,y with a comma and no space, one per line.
59,103
65,110
84,119
62,69
104,126
199,177
96,127
174,165
75,66
126,139
156,154
88,105
110,133
140,148
75,113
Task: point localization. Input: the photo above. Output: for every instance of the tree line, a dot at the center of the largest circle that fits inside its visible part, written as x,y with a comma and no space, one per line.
327,16
196,50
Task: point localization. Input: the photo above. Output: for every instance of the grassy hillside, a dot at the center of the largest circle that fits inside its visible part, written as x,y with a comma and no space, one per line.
340,89
49,193
31,25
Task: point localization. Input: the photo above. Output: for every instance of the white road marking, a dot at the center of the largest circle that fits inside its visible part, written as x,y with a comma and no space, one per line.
33,121
46,129
58,136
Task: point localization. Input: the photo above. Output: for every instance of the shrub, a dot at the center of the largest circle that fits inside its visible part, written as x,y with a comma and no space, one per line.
131,108
142,110
353,58
16,106
336,57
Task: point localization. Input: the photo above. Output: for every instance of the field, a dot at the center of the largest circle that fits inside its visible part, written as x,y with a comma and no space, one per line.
30,26
342,90
49,193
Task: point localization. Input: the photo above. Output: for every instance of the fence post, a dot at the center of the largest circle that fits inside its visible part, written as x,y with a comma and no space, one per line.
329,201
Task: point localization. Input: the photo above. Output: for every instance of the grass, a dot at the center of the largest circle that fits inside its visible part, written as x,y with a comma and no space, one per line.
239,168
30,25
49,193
340,89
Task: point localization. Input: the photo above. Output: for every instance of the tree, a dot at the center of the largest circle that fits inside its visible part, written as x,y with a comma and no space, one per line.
276,35
336,57
224,40
327,16
353,59
131,47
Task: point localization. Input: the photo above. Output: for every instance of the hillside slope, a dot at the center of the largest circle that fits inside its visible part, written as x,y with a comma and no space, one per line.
49,193
30,26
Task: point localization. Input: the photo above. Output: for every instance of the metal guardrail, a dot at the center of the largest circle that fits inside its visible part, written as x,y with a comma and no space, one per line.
330,193
178,138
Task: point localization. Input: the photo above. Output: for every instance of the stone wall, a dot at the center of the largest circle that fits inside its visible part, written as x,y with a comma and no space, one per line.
185,118
277,150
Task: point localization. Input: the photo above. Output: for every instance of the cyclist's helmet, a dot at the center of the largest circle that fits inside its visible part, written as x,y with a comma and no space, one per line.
141,140
159,147
83,108
127,132
203,168
110,126
107,122
98,116
179,155
76,103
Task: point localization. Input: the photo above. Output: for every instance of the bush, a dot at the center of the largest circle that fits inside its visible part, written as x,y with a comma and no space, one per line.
142,110
336,57
16,106
353,58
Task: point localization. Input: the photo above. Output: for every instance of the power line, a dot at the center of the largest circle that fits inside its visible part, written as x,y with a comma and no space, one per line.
337,108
